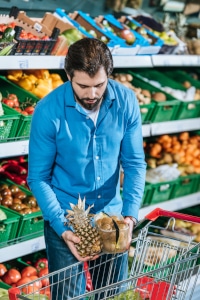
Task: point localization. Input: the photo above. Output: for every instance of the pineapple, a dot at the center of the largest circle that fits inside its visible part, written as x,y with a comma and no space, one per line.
80,220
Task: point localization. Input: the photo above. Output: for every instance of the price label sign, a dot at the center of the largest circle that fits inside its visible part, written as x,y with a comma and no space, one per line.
23,64
62,60
24,148
35,246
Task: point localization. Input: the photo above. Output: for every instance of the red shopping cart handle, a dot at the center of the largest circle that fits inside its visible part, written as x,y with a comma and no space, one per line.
158,212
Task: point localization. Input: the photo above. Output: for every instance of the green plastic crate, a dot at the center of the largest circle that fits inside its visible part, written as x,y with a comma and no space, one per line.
162,191
8,227
165,110
9,123
190,109
147,195
30,225
185,185
146,110
7,86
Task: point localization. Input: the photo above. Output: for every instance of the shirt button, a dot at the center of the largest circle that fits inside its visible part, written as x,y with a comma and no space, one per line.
97,157
99,196
98,178
94,136
87,117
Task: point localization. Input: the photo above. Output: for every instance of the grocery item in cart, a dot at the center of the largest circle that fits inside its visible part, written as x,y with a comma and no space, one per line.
80,220
114,233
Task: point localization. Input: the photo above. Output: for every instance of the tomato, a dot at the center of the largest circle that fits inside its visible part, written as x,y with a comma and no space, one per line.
18,109
14,98
31,288
36,283
44,272
29,271
46,291
24,113
23,280
8,102
3,269
14,275
6,279
29,109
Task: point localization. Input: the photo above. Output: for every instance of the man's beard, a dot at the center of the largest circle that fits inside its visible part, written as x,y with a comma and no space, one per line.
94,102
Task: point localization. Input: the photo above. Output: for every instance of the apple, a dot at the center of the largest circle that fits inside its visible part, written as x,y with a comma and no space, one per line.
128,36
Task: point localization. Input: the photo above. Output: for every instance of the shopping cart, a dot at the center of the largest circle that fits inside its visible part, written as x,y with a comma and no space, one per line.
165,265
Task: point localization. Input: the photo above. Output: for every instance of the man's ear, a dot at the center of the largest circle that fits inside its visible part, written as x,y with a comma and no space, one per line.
68,77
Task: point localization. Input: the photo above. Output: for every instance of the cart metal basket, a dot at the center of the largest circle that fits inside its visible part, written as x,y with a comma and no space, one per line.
164,265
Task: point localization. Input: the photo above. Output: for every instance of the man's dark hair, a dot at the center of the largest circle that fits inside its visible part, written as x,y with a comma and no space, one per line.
88,55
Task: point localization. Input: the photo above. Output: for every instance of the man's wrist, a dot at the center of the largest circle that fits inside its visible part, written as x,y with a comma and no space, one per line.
132,219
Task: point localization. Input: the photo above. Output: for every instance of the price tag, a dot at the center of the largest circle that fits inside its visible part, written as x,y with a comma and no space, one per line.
35,246
62,60
37,26
23,64
24,149
164,187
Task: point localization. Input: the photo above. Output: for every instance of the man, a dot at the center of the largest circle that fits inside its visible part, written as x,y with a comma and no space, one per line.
80,134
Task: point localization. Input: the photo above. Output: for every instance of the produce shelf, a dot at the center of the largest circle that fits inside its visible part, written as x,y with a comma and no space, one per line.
37,244
12,62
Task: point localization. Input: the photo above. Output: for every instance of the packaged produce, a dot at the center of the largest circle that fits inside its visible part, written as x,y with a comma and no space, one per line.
114,232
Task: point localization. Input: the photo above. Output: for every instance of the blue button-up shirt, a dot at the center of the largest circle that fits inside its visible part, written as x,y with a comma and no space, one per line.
69,155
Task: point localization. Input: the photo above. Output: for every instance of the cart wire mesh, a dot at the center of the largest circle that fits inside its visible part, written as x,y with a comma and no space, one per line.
161,267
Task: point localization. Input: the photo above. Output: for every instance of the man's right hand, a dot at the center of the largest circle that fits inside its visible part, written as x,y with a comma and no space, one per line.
71,239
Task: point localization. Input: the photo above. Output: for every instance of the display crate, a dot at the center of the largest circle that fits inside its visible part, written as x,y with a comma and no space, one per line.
8,227
185,185
190,109
161,191
153,42
147,195
117,27
23,128
4,285
29,225
162,111
114,43
34,46
186,110
9,123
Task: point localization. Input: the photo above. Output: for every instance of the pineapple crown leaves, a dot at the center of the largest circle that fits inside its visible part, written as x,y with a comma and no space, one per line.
78,209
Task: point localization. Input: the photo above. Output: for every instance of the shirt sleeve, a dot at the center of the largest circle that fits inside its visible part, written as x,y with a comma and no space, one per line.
133,160
42,152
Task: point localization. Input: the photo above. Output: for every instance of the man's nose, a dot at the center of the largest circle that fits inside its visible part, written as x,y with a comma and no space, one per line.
92,93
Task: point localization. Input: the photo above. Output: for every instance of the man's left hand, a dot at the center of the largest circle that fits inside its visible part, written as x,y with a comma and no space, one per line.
131,223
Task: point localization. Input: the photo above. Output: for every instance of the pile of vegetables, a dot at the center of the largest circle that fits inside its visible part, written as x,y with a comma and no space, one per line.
15,170
38,82
13,197
183,149
26,108
34,278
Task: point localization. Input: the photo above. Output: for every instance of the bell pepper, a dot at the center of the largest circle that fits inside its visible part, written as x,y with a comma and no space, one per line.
89,285
41,263
25,83
42,87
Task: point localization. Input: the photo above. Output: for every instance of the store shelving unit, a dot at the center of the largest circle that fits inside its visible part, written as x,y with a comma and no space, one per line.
15,148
